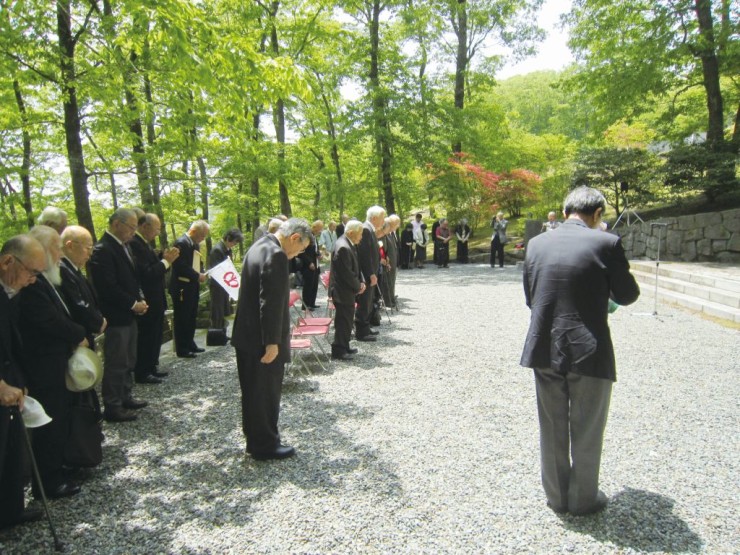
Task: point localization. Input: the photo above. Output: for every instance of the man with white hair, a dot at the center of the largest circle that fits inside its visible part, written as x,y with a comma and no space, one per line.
53,217
368,256
552,222
187,275
345,283
49,335
392,249
22,258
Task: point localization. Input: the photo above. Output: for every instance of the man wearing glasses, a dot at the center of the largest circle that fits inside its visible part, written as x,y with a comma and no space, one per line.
121,302
21,260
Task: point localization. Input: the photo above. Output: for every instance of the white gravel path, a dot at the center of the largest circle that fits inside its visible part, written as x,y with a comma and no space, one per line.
426,443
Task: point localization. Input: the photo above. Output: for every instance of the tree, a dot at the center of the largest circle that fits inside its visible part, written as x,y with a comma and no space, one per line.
515,190
636,53
608,168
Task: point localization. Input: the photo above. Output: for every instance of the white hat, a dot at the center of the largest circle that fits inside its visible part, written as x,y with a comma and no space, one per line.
34,415
84,370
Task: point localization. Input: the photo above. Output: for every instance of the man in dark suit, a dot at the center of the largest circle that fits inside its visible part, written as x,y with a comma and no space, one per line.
150,271
261,335
368,256
569,276
78,294
392,253
121,301
220,299
345,283
187,275
49,336
22,258
310,268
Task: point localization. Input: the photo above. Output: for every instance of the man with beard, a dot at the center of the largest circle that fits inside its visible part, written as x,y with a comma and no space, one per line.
368,256
22,258
121,302
345,283
49,336
150,270
187,275
261,336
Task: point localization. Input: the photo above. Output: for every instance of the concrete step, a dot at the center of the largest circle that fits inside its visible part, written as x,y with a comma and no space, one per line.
716,310
704,292
725,278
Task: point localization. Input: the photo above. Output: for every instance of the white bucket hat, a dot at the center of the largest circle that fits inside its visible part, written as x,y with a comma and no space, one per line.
34,415
84,370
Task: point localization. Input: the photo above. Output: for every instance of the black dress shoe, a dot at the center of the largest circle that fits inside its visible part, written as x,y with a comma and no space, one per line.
119,415
150,379
159,374
198,350
373,332
282,452
341,356
186,355
65,489
134,404
366,338
30,515
352,351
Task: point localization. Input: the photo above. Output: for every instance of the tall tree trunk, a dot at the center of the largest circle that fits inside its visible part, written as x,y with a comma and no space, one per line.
710,71
72,125
151,137
255,185
137,137
460,25
279,121
25,173
204,196
381,129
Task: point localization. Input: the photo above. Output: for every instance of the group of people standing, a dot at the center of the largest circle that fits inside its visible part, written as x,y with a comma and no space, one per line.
50,308
415,238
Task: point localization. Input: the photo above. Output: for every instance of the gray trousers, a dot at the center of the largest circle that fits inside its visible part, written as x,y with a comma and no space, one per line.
119,349
572,411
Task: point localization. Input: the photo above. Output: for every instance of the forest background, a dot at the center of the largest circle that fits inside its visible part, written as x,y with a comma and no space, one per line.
237,110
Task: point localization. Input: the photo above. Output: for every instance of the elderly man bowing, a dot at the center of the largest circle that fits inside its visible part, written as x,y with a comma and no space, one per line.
368,255
49,337
345,283
261,335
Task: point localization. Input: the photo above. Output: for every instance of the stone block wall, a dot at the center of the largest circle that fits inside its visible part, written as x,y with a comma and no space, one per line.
709,237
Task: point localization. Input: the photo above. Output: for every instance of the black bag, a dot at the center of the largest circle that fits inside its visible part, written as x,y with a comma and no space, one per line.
85,442
216,338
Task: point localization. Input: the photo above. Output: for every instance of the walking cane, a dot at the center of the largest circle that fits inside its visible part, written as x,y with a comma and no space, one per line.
58,545
382,303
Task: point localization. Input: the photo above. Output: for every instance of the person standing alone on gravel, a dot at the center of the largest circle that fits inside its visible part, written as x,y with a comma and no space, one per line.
570,349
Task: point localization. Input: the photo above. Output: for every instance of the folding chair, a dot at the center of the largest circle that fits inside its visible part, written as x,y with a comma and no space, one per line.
298,345
329,303
307,319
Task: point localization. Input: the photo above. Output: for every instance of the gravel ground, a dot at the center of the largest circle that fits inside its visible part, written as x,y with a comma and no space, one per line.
426,443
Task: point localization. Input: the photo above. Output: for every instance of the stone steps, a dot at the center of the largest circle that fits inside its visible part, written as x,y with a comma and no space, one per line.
712,290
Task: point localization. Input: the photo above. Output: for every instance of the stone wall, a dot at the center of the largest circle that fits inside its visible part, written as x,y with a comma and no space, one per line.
709,237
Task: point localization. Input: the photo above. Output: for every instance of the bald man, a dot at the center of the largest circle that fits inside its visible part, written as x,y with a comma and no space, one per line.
22,258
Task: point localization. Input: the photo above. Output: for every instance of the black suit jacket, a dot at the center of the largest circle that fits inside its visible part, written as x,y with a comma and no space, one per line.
262,316
48,333
344,279
368,253
114,278
150,271
569,276
80,299
10,342
183,274
310,256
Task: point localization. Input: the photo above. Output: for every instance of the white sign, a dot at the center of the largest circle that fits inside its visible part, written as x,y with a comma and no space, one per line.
226,276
